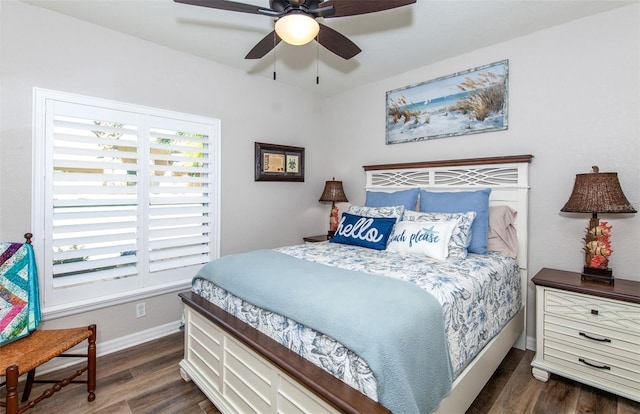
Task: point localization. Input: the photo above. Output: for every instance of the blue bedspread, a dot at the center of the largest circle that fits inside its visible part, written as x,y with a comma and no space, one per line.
410,358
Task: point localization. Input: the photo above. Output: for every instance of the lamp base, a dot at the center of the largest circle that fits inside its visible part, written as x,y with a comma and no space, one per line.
598,275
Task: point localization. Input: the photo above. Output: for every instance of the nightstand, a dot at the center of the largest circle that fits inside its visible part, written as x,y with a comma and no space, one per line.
316,239
588,331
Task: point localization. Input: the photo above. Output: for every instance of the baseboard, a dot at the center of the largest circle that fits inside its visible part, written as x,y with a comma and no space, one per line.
117,344
531,343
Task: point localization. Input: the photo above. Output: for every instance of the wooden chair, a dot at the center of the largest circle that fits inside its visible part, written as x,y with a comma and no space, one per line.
26,354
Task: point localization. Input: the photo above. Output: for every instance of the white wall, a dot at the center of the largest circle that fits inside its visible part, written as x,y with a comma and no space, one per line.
49,50
573,103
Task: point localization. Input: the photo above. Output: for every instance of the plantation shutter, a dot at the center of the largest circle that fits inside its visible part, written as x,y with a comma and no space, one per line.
94,194
129,200
179,197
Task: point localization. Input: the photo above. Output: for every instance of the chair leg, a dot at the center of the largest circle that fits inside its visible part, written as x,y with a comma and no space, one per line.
31,375
12,389
91,371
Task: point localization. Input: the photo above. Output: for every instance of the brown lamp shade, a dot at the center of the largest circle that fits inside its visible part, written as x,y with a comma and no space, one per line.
597,192
333,191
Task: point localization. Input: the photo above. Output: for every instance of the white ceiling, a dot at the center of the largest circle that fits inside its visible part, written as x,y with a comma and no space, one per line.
392,41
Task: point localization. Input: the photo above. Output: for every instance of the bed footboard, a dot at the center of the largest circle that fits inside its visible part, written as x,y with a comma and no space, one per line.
241,370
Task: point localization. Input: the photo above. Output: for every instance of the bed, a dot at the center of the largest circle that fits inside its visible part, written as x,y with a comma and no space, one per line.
241,365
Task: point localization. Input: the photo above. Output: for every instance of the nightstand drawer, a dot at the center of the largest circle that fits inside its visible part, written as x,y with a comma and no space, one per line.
593,369
587,339
593,336
594,310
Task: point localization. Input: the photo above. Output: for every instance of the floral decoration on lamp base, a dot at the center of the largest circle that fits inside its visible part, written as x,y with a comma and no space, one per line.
333,220
598,247
597,250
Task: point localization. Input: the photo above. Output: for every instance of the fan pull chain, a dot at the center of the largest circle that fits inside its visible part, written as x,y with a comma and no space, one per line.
317,59
274,54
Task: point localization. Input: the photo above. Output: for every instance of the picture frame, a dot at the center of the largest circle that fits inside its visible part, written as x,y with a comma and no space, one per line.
278,162
468,102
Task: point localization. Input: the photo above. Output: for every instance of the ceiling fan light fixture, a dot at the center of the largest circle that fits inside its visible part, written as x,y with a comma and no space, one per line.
297,28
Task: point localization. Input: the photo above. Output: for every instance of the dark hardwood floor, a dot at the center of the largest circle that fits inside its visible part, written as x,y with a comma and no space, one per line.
146,380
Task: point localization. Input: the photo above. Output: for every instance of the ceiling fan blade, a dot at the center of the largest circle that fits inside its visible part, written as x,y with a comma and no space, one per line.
337,43
353,7
264,46
226,5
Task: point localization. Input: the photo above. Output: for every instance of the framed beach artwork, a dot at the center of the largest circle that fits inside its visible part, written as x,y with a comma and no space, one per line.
468,102
278,162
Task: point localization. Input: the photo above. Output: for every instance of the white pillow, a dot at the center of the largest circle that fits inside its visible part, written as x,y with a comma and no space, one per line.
461,235
422,238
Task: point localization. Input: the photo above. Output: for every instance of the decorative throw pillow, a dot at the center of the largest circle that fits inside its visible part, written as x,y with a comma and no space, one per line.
428,238
459,202
370,232
391,211
461,235
406,198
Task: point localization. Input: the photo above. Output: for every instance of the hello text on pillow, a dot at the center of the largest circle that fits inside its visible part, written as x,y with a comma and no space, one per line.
371,232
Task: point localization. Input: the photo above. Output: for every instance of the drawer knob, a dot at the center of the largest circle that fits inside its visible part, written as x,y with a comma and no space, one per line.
594,312
594,339
595,366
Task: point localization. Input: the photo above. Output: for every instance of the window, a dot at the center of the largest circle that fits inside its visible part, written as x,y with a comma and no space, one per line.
126,200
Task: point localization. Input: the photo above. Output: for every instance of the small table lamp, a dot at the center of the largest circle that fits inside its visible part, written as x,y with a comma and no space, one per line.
333,192
595,193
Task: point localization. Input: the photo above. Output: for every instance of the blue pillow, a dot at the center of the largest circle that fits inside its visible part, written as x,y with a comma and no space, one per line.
370,232
459,202
406,198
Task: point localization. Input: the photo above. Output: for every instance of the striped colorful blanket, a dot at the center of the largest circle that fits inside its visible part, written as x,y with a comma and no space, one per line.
19,300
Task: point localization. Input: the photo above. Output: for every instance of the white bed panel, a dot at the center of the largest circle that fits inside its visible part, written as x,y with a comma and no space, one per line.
247,383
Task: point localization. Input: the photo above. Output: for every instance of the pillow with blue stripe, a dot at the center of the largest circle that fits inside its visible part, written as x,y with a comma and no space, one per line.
370,232
406,198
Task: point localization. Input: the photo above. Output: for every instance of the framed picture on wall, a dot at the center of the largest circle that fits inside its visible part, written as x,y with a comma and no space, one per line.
467,102
278,162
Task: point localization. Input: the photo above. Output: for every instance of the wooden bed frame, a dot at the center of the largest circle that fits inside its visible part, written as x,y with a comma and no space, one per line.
242,370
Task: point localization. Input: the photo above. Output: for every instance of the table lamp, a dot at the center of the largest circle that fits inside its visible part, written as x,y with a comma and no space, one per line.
333,192
595,193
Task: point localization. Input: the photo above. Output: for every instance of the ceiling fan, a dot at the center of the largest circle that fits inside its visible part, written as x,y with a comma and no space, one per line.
296,21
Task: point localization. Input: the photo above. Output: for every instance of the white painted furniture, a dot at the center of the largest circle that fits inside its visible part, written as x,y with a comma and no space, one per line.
232,376
588,331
